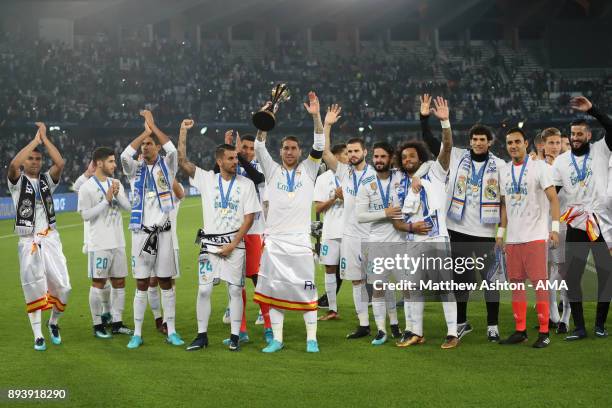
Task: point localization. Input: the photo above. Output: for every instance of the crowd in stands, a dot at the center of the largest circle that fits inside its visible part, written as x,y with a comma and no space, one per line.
100,85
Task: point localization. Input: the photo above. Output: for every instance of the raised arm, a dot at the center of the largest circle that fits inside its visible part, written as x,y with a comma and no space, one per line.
314,109
428,136
17,162
58,161
441,112
331,117
183,162
148,117
582,104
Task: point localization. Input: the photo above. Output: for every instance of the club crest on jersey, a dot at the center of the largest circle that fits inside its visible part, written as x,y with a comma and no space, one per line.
26,209
373,186
491,190
161,180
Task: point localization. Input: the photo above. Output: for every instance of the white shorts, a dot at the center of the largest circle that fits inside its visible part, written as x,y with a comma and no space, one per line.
557,255
330,252
43,272
373,255
162,265
350,259
230,269
107,263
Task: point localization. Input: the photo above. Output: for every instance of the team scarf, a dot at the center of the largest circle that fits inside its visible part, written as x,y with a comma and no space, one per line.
487,179
162,189
26,205
577,217
430,215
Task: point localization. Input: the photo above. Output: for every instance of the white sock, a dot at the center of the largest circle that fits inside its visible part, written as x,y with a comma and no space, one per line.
168,300
310,319
140,306
361,307
552,306
276,318
235,295
407,316
203,307
493,328
35,318
450,315
117,303
378,308
154,302
105,299
416,317
55,315
567,310
95,304
330,290
391,306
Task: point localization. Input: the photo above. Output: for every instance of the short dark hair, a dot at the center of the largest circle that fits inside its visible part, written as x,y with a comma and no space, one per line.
581,122
354,140
385,146
548,132
565,136
479,129
102,153
248,137
419,146
516,130
220,150
38,150
290,139
155,139
338,148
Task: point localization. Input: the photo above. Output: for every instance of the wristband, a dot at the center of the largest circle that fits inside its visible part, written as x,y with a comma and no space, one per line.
445,124
500,232
555,226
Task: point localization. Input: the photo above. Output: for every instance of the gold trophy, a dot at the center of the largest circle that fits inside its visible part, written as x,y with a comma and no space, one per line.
265,120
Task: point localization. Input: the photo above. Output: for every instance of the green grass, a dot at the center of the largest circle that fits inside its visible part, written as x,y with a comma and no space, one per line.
104,373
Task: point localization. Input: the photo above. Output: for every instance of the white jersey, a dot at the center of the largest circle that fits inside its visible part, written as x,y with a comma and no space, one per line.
591,192
369,195
289,212
153,215
528,212
105,229
76,187
174,221
40,216
242,200
351,180
470,224
434,183
324,190
258,220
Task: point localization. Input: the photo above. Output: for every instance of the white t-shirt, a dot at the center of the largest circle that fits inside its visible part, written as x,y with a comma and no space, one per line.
242,200
40,217
528,212
288,212
105,230
369,195
593,194
351,181
258,220
324,190
153,215
434,182
470,224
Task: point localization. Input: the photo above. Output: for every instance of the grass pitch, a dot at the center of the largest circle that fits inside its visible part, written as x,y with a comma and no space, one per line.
345,373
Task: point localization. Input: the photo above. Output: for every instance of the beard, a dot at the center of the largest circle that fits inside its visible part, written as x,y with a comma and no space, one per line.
382,167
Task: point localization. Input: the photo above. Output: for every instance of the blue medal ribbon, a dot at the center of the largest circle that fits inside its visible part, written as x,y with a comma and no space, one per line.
108,183
225,197
517,187
290,180
385,198
580,173
356,183
476,177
